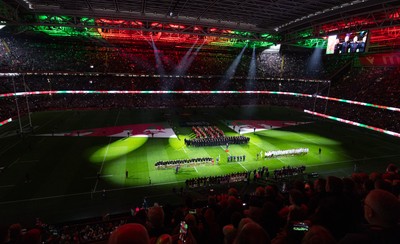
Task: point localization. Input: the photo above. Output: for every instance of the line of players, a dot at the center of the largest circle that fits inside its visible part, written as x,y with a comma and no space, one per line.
225,140
232,158
172,163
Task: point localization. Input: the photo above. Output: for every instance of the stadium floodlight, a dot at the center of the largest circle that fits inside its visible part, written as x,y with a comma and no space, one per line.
30,5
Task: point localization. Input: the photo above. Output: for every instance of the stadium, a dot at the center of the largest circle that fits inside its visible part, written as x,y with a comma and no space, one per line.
199,121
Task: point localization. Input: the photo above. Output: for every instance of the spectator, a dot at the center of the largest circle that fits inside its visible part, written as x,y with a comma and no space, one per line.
130,234
15,234
317,196
334,212
33,236
164,239
318,235
382,212
156,222
252,233
297,210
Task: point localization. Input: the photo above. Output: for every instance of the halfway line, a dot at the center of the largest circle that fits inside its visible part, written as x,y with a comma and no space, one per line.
105,155
7,186
13,163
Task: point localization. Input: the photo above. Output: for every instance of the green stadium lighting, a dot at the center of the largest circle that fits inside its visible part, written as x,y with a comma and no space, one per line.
65,31
312,43
86,20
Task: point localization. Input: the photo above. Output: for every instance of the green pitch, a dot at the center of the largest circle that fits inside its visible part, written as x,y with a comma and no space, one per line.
59,174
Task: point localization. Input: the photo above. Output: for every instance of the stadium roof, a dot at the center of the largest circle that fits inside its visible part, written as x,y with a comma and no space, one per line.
256,15
284,18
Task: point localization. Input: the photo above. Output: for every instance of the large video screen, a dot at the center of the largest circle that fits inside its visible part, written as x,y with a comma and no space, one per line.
344,43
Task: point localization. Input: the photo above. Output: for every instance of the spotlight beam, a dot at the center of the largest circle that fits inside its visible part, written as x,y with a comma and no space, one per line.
251,77
159,64
232,69
183,63
191,59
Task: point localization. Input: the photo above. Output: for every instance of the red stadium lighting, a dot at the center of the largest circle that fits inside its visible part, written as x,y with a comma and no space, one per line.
391,34
332,27
111,21
395,16
156,24
136,23
176,26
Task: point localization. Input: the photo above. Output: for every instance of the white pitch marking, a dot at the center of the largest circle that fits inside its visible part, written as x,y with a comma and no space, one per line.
28,161
7,186
13,162
105,155
101,176
242,166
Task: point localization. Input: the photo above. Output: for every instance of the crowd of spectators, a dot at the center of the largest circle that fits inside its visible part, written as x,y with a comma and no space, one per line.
290,65
104,68
362,208
183,162
103,82
380,118
218,141
377,85
85,232
108,101
77,56
126,101
74,55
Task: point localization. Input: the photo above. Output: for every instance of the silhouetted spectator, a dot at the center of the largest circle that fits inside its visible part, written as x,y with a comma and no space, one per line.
382,212
130,234
252,233
318,235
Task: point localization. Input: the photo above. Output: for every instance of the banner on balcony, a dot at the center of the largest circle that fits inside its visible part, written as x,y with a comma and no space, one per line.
383,59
